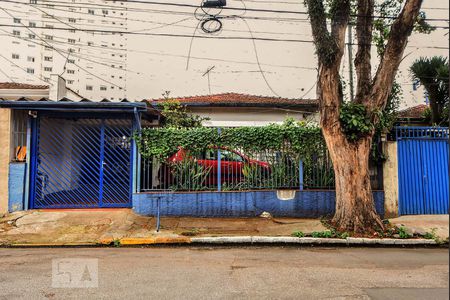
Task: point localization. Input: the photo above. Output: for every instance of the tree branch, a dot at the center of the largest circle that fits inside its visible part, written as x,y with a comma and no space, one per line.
340,15
330,49
400,31
325,45
363,65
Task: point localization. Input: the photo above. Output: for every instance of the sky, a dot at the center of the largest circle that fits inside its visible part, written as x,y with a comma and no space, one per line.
280,62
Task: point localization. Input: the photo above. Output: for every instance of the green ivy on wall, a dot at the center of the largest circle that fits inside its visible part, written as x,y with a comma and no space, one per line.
296,138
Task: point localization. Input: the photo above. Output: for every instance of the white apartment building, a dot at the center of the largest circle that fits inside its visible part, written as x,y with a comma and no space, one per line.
54,37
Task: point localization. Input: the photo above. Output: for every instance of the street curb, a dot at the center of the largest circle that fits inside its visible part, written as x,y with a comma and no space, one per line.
311,241
240,240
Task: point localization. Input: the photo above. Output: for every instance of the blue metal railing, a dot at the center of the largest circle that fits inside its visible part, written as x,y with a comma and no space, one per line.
421,132
221,169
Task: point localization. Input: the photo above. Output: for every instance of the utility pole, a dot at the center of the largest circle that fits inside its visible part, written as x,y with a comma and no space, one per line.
350,60
207,73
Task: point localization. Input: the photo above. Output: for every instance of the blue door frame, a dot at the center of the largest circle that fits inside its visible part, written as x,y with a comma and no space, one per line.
81,160
423,170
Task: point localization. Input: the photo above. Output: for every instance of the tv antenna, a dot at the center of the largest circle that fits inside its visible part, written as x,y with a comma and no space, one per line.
208,71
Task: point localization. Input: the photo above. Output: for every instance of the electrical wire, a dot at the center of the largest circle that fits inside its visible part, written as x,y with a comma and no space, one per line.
6,74
225,8
257,59
19,67
169,34
88,72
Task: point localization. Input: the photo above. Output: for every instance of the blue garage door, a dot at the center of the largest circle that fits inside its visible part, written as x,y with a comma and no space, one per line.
423,169
82,162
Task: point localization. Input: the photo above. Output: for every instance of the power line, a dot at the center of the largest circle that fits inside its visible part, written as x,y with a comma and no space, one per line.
59,52
174,35
182,56
257,60
19,67
75,54
162,34
259,10
6,74
225,8
162,25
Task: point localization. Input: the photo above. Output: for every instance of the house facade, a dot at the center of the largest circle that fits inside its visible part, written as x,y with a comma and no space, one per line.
64,151
235,110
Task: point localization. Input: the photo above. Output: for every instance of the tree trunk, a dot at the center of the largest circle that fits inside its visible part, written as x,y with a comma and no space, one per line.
434,106
355,207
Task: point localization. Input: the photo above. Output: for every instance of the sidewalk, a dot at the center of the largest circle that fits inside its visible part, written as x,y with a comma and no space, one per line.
122,226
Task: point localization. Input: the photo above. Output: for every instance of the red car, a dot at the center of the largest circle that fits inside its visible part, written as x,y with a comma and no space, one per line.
233,165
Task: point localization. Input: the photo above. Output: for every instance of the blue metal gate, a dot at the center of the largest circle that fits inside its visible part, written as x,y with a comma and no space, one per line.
81,162
423,170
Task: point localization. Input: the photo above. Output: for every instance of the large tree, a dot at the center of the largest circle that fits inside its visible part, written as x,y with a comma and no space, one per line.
349,128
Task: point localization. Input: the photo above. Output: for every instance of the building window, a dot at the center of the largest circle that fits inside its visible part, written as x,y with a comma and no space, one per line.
48,69
71,50
89,88
91,11
71,61
15,56
48,37
49,26
32,24
48,48
31,36
70,71
16,32
46,79
72,41
16,20
30,71
69,81
102,88
33,1
72,20
48,58
19,135
90,43
30,58
72,30
104,11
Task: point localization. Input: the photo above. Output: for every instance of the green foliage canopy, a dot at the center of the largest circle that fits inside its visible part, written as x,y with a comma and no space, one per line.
299,139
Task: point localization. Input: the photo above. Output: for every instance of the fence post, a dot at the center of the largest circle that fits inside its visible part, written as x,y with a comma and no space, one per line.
300,174
219,165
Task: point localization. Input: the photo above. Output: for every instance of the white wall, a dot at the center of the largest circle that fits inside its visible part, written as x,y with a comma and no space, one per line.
234,117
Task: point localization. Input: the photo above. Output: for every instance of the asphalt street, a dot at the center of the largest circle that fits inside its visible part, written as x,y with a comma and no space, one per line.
224,273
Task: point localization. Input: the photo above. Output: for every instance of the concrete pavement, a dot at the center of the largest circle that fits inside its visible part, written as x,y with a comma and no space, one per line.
113,226
233,273
425,223
93,226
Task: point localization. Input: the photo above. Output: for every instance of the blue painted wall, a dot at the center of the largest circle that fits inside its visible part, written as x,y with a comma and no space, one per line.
306,204
16,186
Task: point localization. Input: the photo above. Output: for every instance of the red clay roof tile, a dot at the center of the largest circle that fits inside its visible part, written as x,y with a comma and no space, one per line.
414,112
238,99
15,85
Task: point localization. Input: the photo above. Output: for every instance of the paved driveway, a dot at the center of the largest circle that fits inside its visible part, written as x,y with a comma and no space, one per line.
227,273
